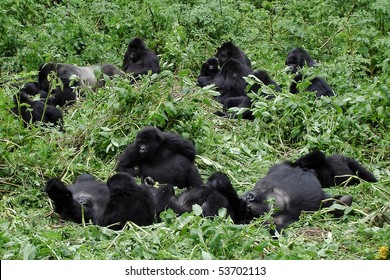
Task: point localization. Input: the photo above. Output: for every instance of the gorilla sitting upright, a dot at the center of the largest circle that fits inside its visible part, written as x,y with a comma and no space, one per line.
165,157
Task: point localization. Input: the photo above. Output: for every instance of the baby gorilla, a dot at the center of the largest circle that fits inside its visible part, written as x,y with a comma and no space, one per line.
31,111
163,156
208,71
334,170
217,193
139,60
111,204
294,190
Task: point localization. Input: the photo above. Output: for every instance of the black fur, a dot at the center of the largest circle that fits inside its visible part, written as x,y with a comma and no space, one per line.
245,101
335,169
128,202
298,58
317,85
165,157
217,193
293,189
112,204
86,197
31,111
139,60
230,81
208,71
228,51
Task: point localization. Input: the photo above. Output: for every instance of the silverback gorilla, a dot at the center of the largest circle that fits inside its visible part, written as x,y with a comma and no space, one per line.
112,204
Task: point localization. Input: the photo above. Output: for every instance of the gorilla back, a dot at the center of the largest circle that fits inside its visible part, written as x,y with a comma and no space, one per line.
293,189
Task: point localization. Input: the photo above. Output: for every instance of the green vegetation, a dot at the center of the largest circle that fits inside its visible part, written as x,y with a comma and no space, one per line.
351,42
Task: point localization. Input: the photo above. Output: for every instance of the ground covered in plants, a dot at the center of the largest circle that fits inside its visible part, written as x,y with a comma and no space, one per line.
349,40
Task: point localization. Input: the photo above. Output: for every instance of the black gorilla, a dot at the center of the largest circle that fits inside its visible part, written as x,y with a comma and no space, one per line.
228,51
86,76
163,156
31,88
85,198
128,202
244,101
230,81
239,102
294,190
111,204
265,79
208,71
297,58
36,111
217,193
335,169
317,85
140,60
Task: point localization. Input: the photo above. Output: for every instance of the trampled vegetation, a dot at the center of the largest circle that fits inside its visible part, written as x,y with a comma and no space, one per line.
349,40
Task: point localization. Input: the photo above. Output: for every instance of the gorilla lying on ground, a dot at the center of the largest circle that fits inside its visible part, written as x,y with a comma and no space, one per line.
111,204
163,156
294,190
335,169
36,111
217,193
87,75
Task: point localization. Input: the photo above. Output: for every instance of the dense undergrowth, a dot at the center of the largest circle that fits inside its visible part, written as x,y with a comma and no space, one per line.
350,41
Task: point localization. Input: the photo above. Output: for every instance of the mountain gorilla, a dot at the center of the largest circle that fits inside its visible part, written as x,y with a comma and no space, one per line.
296,59
35,111
294,190
217,193
334,170
86,75
230,81
228,51
208,71
85,198
245,101
111,204
139,60
128,202
317,85
163,156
